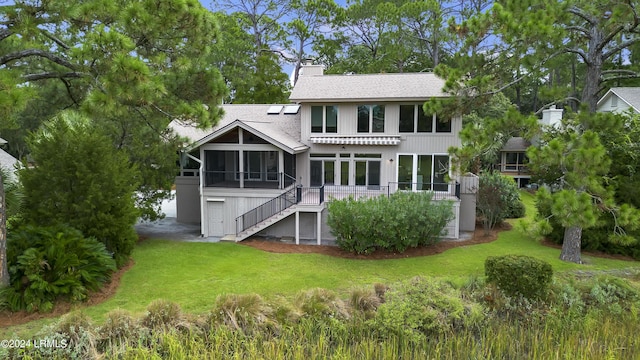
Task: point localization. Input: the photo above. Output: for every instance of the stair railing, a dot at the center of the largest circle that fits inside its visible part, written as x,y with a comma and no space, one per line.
270,208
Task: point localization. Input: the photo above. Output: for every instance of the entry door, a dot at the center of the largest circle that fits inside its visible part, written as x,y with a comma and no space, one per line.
216,218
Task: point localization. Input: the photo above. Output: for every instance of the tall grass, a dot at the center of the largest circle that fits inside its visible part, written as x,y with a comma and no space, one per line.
516,340
329,327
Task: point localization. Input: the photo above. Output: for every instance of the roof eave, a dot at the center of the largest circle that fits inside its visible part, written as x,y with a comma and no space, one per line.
244,126
361,100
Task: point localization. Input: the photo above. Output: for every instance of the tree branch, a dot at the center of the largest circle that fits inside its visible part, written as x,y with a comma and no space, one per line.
68,86
620,47
5,33
52,75
555,102
578,52
56,40
580,29
619,71
580,13
35,52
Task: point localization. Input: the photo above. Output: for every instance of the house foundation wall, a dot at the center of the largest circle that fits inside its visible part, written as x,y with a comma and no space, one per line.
286,228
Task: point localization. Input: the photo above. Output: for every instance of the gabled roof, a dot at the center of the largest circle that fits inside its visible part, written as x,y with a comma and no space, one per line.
282,130
630,95
8,162
367,87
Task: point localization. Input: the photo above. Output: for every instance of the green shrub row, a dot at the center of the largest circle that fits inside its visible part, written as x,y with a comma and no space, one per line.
394,223
47,264
519,275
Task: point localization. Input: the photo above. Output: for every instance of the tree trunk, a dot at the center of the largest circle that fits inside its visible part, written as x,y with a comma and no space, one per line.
571,244
4,271
594,63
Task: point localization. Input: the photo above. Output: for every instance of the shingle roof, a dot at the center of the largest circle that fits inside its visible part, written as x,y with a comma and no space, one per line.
279,128
368,87
516,144
8,162
631,95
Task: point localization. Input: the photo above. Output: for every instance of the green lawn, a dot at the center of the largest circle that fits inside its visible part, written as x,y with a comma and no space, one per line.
193,274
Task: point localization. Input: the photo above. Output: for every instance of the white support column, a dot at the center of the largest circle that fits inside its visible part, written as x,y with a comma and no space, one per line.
281,167
297,227
319,227
241,158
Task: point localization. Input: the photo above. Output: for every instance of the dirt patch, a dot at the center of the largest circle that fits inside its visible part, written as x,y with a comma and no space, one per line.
478,237
8,318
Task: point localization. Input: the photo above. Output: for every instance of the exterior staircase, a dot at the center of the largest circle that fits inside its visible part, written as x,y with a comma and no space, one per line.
265,215
265,223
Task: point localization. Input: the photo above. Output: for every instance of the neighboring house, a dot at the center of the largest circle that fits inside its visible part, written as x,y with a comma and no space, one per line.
513,160
7,160
269,169
513,155
620,100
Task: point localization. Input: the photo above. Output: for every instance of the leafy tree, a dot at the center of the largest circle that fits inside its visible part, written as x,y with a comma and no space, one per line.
532,39
309,17
579,161
377,36
260,38
485,132
132,65
81,180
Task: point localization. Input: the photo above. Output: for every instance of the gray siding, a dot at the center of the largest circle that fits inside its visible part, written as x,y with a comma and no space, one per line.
188,199
236,202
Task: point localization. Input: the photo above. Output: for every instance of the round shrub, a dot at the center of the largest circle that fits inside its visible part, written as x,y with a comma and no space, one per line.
423,307
519,275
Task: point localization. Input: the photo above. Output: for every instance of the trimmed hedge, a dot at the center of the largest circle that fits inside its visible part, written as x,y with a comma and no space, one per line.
519,275
394,223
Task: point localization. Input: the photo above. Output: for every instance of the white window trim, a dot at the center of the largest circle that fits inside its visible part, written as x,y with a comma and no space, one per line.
434,123
414,170
384,119
324,119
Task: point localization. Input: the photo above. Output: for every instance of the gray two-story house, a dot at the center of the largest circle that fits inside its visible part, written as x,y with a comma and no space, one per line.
270,169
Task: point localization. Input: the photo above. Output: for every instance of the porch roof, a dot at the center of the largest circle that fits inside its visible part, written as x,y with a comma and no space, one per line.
356,140
280,129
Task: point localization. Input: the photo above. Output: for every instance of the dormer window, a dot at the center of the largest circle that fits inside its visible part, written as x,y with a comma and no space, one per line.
324,119
371,118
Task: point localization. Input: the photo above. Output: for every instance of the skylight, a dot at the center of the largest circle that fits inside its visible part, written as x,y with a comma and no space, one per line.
291,109
274,109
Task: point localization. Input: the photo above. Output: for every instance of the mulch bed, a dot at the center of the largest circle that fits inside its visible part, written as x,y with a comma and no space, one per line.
479,237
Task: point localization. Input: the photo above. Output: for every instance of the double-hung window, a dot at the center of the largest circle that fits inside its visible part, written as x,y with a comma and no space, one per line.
371,118
324,119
